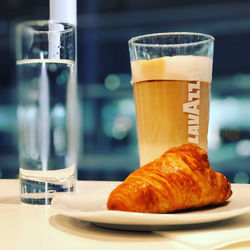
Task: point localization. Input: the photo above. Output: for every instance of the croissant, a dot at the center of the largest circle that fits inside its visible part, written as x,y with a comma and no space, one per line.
180,179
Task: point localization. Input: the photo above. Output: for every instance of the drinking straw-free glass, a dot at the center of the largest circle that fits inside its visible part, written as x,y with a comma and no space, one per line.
48,117
171,75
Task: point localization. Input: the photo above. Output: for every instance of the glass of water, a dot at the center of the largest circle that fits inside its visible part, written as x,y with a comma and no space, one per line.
48,110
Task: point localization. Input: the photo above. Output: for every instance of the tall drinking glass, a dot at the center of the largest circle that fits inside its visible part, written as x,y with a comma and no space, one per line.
48,117
171,75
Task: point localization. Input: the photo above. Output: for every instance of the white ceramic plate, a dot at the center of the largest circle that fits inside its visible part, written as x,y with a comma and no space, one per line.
92,208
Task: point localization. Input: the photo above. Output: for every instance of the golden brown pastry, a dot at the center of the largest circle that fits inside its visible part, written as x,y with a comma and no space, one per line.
180,179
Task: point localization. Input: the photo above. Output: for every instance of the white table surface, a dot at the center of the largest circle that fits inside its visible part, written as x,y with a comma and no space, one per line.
25,227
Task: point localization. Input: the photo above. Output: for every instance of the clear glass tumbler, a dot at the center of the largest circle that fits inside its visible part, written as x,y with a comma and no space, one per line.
171,75
48,110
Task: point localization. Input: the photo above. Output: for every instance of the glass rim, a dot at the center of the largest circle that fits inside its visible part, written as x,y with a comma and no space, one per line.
30,23
132,41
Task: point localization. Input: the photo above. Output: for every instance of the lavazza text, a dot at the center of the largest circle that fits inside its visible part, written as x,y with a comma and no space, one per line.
192,108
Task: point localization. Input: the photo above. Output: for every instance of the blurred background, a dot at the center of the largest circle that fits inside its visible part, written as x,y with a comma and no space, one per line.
109,145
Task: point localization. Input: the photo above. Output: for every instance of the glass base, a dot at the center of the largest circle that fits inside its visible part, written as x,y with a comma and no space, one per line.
40,192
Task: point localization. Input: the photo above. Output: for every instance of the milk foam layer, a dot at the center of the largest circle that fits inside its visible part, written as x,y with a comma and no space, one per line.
191,68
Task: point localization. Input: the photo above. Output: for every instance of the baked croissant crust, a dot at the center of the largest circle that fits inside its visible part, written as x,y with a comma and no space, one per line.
180,179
